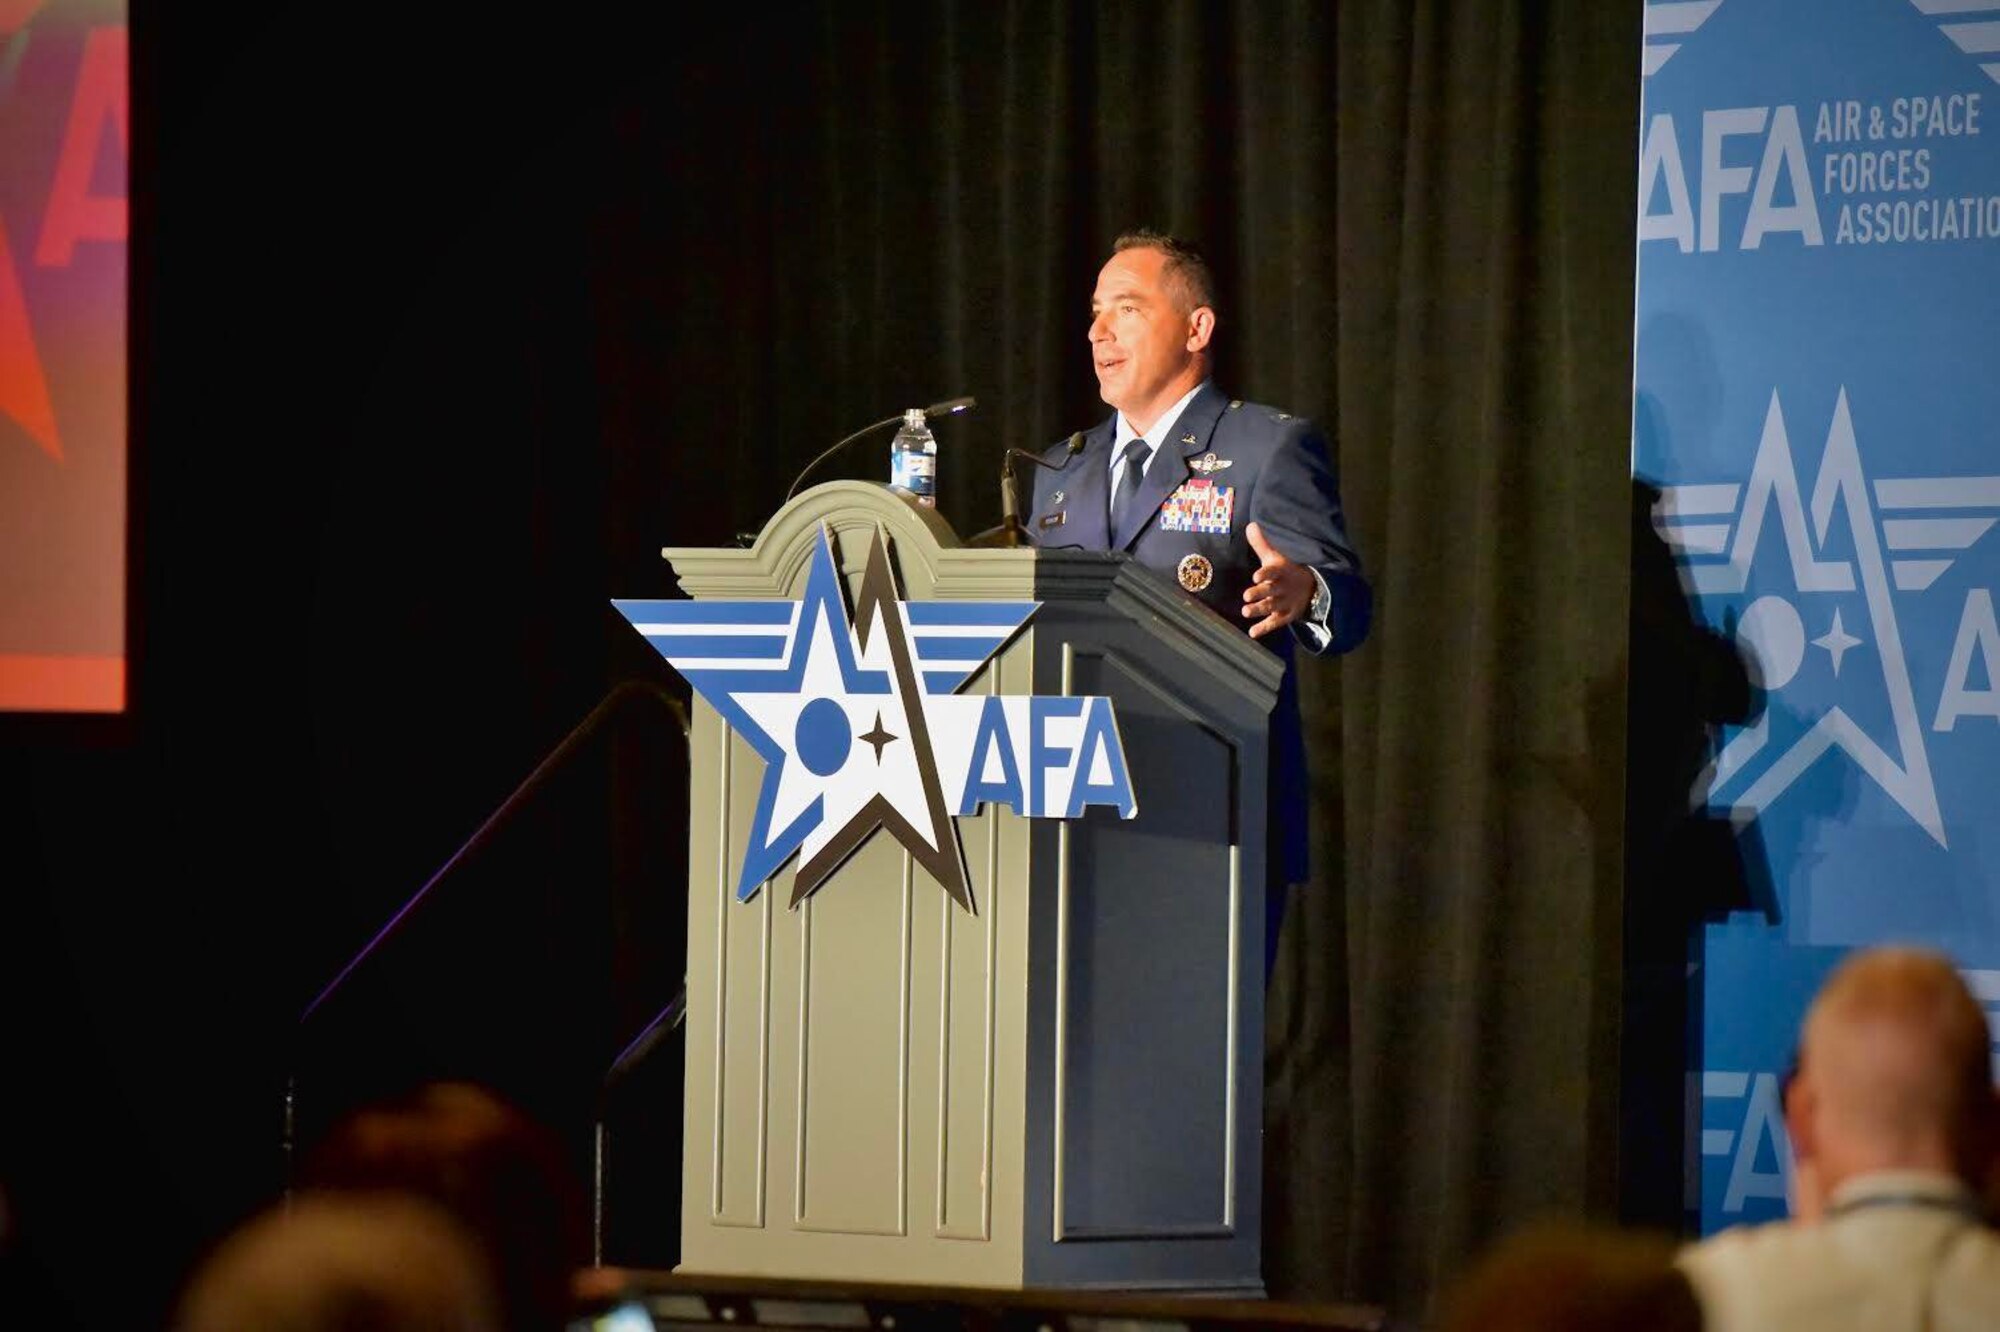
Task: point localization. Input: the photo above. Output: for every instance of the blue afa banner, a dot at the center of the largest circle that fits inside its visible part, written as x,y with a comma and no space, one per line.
1817,394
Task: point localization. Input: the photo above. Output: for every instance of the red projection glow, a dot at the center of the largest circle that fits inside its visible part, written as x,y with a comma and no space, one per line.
65,136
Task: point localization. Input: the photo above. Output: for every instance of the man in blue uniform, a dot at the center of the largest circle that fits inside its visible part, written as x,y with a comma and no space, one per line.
1235,502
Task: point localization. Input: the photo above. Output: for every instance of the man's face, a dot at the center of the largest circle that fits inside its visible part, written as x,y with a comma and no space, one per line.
1146,350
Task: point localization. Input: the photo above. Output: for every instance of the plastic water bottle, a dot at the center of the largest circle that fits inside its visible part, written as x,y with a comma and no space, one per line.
913,458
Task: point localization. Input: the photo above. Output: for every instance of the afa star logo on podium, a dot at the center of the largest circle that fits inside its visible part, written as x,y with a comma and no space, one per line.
861,726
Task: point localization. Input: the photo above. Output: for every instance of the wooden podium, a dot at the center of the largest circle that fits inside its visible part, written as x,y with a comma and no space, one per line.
1063,1089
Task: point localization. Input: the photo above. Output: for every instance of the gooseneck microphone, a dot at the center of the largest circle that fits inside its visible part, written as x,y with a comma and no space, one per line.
949,407
1073,447
1011,532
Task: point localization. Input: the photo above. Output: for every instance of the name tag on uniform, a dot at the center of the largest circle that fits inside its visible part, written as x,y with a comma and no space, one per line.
1200,505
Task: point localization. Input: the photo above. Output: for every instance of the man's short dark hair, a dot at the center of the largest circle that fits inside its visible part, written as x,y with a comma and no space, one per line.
1187,273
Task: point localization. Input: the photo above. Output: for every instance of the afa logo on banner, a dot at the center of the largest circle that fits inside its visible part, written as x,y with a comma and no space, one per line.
860,725
1819,258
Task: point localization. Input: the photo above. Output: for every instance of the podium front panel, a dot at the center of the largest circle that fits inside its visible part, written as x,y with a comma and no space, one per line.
1060,1087
1149,953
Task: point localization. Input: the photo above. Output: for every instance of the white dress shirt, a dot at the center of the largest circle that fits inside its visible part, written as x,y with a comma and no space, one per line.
1154,437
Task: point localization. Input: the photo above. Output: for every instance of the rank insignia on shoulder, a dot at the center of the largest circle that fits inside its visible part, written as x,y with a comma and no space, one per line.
1056,519
1234,403
1281,416
1208,462
1195,573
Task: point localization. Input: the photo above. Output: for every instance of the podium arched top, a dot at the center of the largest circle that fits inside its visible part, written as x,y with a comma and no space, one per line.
774,564
932,562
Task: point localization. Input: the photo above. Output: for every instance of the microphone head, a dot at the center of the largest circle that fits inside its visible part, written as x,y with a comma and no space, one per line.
950,407
1076,444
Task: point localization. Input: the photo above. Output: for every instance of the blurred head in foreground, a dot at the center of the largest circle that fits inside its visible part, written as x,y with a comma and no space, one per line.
1573,1279
383,1263
497,1172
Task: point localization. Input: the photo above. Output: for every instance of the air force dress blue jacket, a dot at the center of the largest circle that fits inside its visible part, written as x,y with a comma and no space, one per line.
1225,465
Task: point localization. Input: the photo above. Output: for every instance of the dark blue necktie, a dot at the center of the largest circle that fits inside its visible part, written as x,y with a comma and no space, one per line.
1130,473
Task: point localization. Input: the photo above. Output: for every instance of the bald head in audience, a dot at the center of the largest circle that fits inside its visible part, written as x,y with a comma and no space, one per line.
1895,1073
1891,1121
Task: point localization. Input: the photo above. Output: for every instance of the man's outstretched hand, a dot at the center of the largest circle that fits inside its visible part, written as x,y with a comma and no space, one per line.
1281,593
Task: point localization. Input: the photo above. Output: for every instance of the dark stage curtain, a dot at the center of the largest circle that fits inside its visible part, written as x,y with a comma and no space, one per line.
1481,385
443,325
